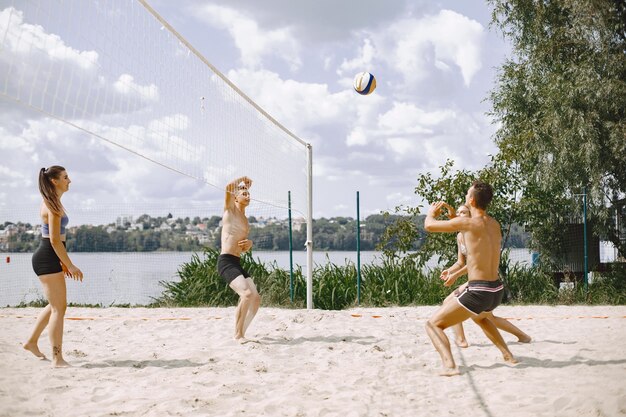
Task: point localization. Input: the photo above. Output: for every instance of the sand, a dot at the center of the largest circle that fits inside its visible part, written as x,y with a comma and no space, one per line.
359,362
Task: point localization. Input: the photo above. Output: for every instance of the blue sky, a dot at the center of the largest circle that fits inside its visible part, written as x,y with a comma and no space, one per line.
434,62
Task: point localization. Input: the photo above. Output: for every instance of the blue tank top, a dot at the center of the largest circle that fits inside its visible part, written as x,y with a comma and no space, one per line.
45,228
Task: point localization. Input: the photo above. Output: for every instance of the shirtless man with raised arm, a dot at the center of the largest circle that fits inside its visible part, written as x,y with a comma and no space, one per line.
484,289
235,229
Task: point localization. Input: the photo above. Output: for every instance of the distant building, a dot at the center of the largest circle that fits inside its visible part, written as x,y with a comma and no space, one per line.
136,226
298,223
4,240
122,221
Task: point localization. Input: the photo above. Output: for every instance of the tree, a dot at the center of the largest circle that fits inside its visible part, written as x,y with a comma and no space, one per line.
560,101
407,232
213,222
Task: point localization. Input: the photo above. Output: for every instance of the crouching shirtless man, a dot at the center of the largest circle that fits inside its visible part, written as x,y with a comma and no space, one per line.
484,289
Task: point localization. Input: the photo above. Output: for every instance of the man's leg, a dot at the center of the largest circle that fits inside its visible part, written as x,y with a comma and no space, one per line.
507,326
255,303
246,298
494,335
459,333
448,315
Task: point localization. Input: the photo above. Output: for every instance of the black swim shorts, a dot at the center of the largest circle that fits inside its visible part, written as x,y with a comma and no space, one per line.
481,296
229,267
45,260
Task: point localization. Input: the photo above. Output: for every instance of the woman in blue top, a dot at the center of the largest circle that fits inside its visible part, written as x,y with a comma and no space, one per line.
51,263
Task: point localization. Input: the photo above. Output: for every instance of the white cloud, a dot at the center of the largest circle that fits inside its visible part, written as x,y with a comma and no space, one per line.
253,42
157,139
6,172
9,142
418,47
402,147
297,105
362,120
357,137
362,62
126,84
396,199
23,38
409,119
366,156
174,123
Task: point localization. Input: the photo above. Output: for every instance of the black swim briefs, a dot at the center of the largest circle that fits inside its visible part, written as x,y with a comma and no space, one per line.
481,296
229,267
45,260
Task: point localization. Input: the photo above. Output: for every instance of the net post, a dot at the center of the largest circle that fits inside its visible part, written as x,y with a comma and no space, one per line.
585,277
358,251
290,249
309,229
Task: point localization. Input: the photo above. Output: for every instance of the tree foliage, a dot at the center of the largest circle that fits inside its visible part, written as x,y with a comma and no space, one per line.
407,232
560,101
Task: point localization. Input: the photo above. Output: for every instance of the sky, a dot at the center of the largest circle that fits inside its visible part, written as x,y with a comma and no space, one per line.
434,61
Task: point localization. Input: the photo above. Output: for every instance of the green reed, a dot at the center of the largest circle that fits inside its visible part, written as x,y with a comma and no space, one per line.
334,286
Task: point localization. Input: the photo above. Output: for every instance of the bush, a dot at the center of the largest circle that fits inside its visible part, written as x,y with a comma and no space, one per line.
396,282
401,283
201,285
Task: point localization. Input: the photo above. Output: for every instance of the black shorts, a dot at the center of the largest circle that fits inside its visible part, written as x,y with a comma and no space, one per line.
229,267
45,259
480,296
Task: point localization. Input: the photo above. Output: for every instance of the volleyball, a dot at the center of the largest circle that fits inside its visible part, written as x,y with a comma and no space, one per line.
364,83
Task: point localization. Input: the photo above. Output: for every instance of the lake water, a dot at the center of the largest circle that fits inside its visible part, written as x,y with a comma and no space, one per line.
133,278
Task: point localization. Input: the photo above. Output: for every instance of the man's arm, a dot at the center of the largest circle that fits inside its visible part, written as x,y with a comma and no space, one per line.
231,189
451,278
459,264
431,224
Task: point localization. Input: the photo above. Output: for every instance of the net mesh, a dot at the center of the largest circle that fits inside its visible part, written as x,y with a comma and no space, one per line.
116,73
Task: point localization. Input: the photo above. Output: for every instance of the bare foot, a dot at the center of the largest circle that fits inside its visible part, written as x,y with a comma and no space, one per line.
450,372
60,363
525,339
34,349
510,360
243,341
461,343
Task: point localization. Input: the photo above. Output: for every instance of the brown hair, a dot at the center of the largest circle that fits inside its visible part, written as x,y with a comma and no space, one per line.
47,189
482,193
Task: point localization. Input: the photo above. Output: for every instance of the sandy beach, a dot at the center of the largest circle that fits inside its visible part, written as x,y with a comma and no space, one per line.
359,362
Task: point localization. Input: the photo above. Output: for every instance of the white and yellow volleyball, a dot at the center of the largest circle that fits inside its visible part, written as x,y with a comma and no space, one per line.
364,83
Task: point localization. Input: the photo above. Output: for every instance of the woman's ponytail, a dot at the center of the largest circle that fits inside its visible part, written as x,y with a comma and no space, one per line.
47,189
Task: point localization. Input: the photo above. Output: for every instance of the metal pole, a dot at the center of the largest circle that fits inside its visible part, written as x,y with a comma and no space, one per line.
585,279
358,251
290,250
309,230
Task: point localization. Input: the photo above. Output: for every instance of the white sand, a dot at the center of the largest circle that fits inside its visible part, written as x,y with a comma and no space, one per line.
183,362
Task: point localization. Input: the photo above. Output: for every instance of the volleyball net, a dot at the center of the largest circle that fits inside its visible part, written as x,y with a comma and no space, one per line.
115,77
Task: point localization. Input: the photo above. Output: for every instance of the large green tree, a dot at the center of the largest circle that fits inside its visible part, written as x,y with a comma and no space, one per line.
560,101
